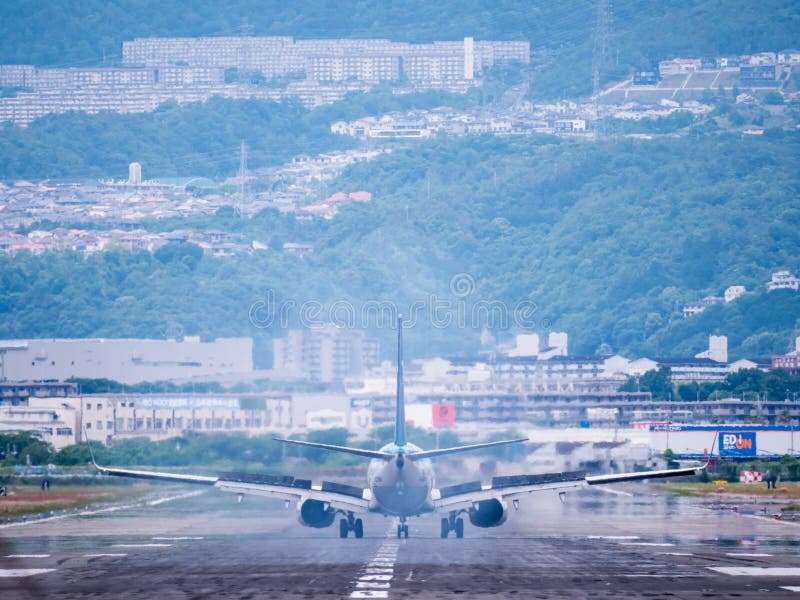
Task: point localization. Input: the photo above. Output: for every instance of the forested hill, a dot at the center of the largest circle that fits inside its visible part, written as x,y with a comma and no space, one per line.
91,32
608,239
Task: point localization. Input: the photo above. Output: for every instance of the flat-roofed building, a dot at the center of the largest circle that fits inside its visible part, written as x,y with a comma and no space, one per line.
128,360
326,354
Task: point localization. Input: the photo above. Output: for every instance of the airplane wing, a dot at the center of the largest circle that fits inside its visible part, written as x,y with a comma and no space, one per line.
466,494
285,487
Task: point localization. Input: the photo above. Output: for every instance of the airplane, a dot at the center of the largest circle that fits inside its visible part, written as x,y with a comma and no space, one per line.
400,483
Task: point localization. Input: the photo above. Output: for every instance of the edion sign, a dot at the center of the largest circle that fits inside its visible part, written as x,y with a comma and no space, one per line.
737,443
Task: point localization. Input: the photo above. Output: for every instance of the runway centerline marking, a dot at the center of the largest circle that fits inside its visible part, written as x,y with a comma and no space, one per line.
28,556
791,588
104,554
374,580
748,554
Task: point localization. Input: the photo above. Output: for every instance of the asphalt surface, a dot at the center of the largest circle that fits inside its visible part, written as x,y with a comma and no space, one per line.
597,545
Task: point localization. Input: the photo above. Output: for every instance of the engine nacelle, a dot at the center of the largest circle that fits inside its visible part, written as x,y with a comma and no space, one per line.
315,513
488,513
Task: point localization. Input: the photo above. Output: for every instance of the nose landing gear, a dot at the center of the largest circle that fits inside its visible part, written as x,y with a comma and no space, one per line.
452,523
402,529
351,524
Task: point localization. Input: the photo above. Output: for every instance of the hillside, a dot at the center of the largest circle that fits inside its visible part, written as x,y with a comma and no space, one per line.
607,239
192,139
61,33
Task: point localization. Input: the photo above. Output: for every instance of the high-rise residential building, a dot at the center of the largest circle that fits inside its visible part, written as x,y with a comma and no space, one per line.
327,353
469,58
135,173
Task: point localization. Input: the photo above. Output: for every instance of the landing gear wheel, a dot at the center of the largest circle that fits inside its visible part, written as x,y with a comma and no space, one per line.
459,528
358,528
405,531
399,531
344,528
445,528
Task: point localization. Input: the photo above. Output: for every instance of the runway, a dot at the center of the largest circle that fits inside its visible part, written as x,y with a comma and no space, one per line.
597,545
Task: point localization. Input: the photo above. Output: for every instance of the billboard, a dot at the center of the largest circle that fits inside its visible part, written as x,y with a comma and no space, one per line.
444,415
737,443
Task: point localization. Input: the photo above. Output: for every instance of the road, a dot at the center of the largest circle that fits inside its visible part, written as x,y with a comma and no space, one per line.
597,545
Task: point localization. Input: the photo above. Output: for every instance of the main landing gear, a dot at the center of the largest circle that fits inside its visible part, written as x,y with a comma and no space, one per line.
451,523
351,524
402,529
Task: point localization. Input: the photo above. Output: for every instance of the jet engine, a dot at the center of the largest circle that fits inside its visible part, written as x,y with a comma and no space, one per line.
488,513
315,513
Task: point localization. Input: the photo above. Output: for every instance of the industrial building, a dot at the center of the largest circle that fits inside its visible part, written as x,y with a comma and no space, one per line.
124,360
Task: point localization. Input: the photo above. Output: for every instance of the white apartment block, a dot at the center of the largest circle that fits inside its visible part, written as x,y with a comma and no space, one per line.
156,70
326,354
63,421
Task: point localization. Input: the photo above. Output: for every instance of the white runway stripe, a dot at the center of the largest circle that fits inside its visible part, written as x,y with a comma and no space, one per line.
747,554
758,571
23,572
28,556
141,545
99,511
655,544
104,554
791,588
171,498
375,578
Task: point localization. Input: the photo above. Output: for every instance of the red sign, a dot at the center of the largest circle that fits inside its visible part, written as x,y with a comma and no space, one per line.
444,415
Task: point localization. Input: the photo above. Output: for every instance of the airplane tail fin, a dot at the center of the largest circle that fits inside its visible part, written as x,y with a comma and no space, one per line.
400,416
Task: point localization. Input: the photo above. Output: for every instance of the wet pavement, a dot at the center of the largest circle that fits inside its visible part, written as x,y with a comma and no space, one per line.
597,545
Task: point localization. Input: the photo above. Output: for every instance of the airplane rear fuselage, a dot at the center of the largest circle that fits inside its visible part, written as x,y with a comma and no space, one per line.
400,486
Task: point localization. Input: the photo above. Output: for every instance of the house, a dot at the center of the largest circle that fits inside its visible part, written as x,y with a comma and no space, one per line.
734,292
695,308
301,250
782,280
791,361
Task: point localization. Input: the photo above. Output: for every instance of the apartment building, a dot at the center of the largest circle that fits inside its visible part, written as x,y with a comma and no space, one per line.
326,353
62,421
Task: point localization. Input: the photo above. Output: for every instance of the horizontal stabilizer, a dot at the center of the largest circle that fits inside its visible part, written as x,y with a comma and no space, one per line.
443,451
345,449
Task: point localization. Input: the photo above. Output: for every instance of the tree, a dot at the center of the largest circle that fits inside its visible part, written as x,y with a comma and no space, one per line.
657,382
181,252
774,98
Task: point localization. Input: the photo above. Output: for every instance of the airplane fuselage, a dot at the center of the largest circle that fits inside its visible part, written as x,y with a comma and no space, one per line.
401,487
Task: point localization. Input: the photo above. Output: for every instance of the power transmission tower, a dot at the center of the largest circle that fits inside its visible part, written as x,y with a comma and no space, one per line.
600,43
241,200
601,32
